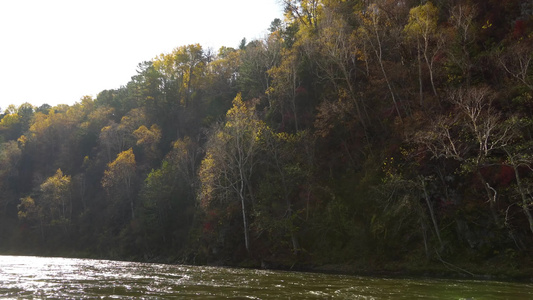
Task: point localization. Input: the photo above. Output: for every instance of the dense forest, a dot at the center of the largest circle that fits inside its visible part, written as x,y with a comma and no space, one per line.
358,135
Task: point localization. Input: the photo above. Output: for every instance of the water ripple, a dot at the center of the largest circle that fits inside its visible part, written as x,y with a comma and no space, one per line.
62,278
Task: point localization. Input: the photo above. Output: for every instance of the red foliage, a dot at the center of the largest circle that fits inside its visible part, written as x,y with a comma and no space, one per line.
505,176
208,227
211,220
519,29
300,90
501,175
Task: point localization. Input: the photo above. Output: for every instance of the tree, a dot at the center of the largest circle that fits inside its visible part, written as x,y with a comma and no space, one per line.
373,30
224,69
403,210
518,157
52,207
16,120
306,12
148,139
184,68
258,57
120,177
51,140
10,125
422,25
337,46
31,213
56,197
470,135
168,194
184,157
118,137
284,171
10,155
284,88
517,62
461,51
226,171
43,108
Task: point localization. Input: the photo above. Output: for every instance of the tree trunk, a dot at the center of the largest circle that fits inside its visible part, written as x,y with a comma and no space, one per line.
492,196
525,205
295,243
294,238
243,206
430,65
132,210
420,87
130,198
424,236
245,223
379,55
431,213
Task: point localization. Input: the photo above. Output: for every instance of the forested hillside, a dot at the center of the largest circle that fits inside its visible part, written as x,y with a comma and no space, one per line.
379,134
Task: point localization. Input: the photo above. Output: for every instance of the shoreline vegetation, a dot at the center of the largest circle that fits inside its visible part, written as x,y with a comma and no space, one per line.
387,138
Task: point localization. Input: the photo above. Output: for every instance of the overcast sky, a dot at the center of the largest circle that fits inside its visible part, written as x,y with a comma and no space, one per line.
57,51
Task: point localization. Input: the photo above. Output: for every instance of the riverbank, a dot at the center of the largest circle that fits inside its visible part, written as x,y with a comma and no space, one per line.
494,269
498,268
431,271
491,270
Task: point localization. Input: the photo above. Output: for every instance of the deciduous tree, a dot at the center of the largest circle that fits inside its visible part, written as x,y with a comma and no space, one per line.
120,176
422,27
226,172
56,197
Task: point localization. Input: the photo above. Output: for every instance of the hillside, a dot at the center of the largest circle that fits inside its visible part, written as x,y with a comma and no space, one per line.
359,136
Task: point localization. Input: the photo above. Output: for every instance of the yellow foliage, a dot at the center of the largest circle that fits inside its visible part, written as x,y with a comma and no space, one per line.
9,120
27,208
147,136
22,141
56,185
422,20
238,113
124,159
120,170
207,178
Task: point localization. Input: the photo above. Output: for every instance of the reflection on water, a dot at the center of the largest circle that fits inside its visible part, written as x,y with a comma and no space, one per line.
37,277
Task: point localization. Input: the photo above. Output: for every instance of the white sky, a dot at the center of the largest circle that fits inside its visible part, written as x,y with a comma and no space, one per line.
57,51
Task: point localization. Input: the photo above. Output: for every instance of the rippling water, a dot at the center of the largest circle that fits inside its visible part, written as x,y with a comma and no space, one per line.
41,277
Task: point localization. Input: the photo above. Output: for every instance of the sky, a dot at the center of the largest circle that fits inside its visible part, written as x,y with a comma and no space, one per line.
57,51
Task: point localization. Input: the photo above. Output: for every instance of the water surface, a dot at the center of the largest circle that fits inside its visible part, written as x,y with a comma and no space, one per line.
41,277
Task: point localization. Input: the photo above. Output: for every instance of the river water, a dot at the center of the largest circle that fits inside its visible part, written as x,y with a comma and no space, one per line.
65,278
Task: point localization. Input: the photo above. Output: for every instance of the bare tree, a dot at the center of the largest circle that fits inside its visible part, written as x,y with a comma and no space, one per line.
517,62
373,30
469,135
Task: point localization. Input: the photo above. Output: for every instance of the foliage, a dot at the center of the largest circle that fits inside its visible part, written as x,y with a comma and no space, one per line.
120,175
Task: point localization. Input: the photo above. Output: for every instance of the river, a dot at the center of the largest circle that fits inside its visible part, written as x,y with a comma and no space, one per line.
27,277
